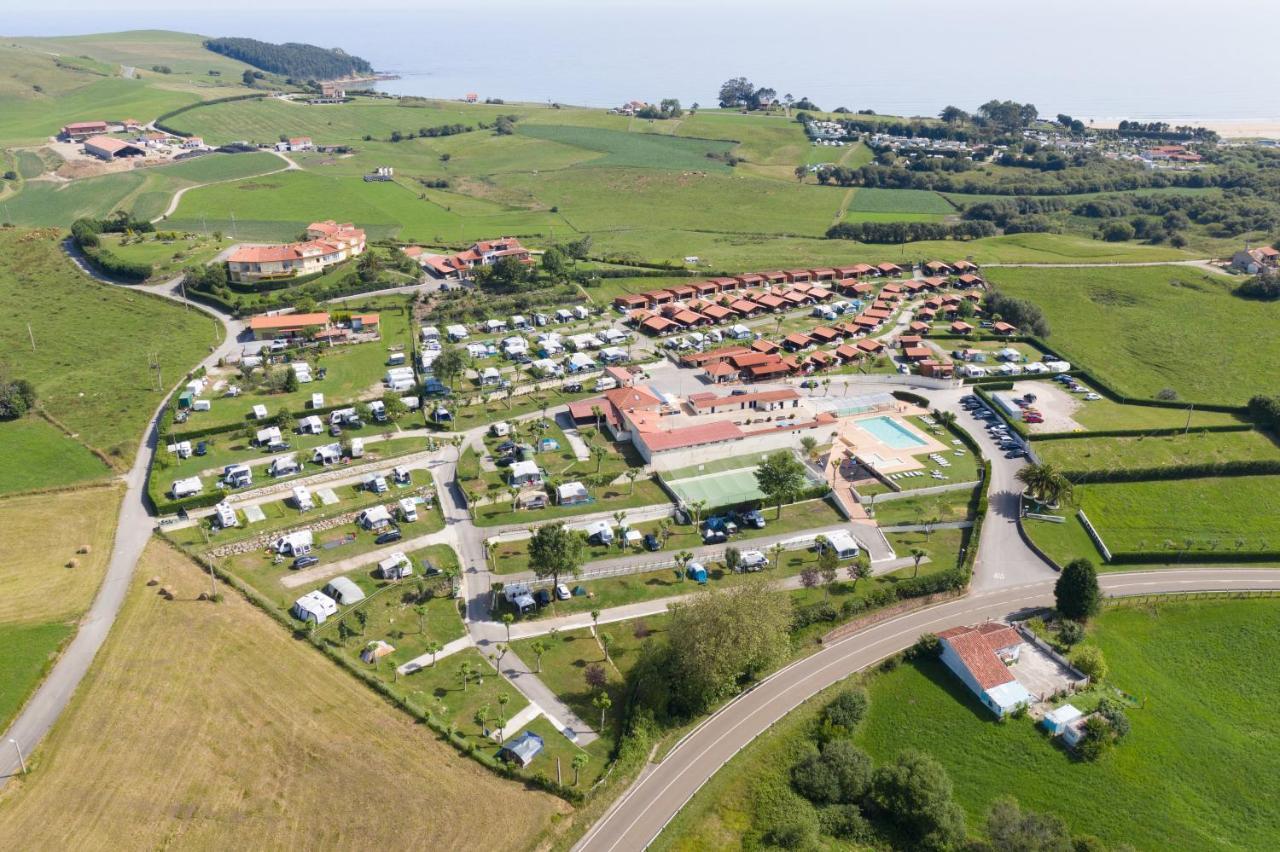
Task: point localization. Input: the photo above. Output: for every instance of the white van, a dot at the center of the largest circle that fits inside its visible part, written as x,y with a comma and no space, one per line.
605,383
201,405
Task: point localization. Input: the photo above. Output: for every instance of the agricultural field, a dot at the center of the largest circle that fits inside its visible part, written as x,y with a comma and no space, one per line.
105,393
1188,776
1209,514
870,204
619,149
36,454
1146,329
1194,448
56,551
291,728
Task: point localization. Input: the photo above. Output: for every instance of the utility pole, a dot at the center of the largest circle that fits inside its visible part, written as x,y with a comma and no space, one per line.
1190,408
23,763
32,335
234,234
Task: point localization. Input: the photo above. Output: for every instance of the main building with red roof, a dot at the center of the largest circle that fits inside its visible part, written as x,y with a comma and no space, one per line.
327,243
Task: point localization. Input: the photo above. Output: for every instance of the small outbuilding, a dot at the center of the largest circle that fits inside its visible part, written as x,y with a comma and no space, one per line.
523,749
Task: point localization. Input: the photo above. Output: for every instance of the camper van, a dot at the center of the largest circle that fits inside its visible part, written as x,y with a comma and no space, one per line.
395,567
376,483
408,510
284,466
841,543
302,498
600,532
357,447
237,476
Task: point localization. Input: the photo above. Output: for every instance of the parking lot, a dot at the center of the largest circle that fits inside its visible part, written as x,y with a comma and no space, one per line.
1056,404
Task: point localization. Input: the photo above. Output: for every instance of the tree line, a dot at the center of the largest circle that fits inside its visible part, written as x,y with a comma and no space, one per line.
84,233
909,232
292,59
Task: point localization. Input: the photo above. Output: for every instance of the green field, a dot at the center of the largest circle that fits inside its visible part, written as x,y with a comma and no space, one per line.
871,204
1145,329
36,454
1102,414
1190,775
90,364
1205,515
1194,448
29,649
637,150
146,193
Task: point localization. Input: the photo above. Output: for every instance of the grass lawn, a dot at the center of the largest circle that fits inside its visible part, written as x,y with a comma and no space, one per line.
1065,541
513,556
280,729
1158,451
1148,328
439,690
29,651
947,506
643,150
167,257
1101,414
610,498
897,205
1189,776
36,454
942,547
102,391
1192,514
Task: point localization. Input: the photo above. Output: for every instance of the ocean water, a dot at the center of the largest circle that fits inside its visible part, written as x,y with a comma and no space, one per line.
1089,58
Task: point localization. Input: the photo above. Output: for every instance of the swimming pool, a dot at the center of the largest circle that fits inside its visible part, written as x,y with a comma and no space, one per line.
891,433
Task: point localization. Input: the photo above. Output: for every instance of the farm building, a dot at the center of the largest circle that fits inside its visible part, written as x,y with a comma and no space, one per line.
980,657
79,130
106,148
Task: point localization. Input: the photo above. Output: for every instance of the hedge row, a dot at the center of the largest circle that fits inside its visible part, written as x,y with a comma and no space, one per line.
973,535
113,266
1248,467
250,594
1217,557
198,501
911,587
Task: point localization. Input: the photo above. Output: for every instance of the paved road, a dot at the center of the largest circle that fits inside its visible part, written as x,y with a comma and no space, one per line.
133,531
641,814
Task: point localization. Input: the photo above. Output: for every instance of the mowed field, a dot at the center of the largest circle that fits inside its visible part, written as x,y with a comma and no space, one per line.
1213,513
90,363
145,193
223,731
1195,772
871,204
36,454
46,583
1194,448
1149,328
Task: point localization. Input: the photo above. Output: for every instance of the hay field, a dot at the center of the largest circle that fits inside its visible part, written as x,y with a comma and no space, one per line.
217,730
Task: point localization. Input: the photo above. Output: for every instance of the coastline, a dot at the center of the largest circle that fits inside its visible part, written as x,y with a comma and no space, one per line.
1227,128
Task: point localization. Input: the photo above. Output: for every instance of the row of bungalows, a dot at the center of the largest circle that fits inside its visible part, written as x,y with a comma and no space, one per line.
837,277
677,316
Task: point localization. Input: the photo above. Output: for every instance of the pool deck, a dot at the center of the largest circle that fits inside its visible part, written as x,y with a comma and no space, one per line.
885,458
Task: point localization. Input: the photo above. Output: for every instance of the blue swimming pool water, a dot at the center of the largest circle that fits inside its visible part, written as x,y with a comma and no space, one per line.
891,433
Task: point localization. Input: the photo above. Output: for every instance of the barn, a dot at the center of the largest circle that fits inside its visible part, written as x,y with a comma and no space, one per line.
106,148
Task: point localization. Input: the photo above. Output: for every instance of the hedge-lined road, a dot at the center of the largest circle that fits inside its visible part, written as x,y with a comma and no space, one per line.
663,789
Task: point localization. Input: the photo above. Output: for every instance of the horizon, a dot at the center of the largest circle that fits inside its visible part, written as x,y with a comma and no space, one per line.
1102,63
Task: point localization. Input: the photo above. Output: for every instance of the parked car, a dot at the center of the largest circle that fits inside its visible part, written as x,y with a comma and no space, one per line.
335,430
506,447
752,560
651,543
573,387
750,518
1090,396
305,562
388,537
710,536
542,597
809,383
562,592
202,448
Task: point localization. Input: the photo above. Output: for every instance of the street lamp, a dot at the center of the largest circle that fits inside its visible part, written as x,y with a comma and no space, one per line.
21,761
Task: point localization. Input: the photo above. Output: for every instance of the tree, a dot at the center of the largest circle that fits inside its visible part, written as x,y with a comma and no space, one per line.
17,397
632,474
247,78
1089,659
915,792
595,676
810,446
916,555
859,570
555,262
449,364
555,550
434,648
507,618
808,576
664,530
845,712
580,760
1097,738
840,774
421,611
698,507
735,92
801,172
606,642
394,406
600,453
828,566
683,558
602,702
464,672
726,639
1011,829
732,558
539,647
776,551
1046,483
953,115
781,478
1076,594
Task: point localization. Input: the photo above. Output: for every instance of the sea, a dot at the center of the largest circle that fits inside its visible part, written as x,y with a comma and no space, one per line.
1093,59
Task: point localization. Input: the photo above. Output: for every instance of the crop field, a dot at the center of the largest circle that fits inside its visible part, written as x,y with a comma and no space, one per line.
634,150
36,454
1190,514
1188,776
92,343
1145,329
871,204
29,649
289,729
1194,448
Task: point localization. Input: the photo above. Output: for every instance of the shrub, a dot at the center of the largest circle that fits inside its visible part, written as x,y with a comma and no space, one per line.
915,792
1071,633
840,774
1263,287
927,647
845,822
1076,594
1097,739
1113,711
1089,659
847,709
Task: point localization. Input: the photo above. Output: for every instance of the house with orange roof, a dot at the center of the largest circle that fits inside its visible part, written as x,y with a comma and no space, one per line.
981,656
270,326
327,243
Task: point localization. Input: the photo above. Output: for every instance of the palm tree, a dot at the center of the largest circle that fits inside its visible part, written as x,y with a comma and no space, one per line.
602,702
434,648
579,760
632,474
917,554
598,413
599,452
698,506
1046,483
664,530
539,647
683,558
507,618
777,551
810,446
464,672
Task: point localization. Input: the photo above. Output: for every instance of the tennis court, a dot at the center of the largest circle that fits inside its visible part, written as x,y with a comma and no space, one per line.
723,488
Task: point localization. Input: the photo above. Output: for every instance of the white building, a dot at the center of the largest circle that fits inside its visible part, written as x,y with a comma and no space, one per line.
980,657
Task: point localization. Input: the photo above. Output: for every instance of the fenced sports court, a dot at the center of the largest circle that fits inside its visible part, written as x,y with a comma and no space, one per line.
719,484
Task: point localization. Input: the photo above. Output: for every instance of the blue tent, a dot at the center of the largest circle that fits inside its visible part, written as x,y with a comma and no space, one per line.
523,749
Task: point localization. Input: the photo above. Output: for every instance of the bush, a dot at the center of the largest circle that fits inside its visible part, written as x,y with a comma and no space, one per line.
845,822
1071,633
927,647
1262,287
847,709
840,774
17,397
915,792
1089,660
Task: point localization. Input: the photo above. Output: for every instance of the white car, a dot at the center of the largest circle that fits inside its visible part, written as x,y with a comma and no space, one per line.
752,560
562,592
1092,395
1080,389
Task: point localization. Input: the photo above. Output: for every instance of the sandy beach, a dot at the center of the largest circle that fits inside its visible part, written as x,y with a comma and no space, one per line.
1227,128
